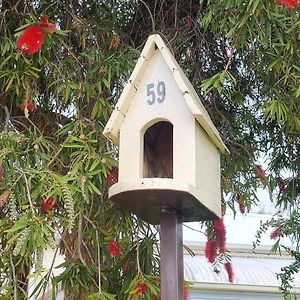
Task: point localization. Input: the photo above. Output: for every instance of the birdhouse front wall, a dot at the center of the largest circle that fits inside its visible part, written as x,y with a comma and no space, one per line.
158,98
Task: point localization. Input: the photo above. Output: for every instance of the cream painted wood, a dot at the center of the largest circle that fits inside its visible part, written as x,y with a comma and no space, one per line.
152,193
208,172
153,44
141,116
195,182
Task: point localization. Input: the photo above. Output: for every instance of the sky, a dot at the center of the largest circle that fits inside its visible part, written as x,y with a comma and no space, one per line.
241,229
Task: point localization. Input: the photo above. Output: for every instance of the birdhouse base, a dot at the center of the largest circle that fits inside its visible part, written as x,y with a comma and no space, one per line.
148,196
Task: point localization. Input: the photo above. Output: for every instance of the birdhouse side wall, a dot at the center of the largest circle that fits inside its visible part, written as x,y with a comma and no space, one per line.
208,169
158,98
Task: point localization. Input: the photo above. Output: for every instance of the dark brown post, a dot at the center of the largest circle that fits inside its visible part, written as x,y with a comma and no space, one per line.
171,255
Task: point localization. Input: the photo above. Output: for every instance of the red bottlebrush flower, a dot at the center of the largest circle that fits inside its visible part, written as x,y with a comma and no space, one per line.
22,106
219,224
112,176
242,205
290,3
221,241
155,298
189,23
125,268
211,250
1,172
31,107
141,289
262,175
48,205
33,37
220,234
45,24
229,270
31,40
228,52
261,172
281,186
186,292
114,248
276,233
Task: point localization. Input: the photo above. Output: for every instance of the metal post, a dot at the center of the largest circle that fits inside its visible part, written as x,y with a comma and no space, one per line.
171,255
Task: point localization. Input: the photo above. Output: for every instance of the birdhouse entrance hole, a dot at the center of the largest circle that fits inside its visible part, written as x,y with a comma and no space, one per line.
158,151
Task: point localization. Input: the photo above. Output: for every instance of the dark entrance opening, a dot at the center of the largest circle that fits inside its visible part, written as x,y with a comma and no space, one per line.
158,151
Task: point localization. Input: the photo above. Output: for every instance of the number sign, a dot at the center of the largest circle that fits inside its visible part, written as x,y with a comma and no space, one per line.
156,93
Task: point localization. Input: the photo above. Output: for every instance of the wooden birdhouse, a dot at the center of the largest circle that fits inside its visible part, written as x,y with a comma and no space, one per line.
169,149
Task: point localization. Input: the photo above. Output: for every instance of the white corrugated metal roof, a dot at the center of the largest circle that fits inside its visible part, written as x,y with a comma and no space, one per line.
251,269
248,270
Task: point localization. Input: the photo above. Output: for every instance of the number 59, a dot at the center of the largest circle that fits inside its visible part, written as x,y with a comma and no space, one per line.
157,94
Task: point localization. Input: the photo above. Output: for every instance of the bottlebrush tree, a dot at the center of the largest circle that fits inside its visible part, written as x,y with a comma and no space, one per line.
62,67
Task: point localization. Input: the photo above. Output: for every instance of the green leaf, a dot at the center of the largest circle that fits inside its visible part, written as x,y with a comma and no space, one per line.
67,92
5,61
92,187
9,84
73,145
297,94
94,164
255,5
34,74
95,110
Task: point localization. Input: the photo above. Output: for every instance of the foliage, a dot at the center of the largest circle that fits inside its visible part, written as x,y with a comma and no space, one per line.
57,151
263,38
242,58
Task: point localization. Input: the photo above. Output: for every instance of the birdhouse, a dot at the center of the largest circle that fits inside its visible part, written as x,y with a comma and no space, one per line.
169,149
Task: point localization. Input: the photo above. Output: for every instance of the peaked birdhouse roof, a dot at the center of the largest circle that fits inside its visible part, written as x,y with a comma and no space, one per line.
155,43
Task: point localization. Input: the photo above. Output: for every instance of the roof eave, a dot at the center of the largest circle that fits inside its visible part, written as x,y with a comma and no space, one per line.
112,128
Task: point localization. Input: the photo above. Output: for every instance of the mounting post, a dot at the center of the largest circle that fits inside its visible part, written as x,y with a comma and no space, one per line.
171,255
